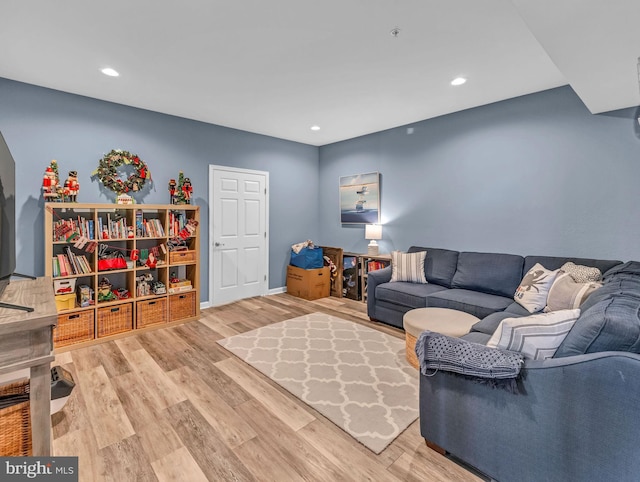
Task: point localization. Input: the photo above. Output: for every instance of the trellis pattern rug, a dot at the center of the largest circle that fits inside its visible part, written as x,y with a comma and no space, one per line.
355,376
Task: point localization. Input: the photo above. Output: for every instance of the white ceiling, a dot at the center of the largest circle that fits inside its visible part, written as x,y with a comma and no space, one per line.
278,67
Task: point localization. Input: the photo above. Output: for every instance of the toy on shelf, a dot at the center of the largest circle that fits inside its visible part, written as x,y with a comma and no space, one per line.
72,187
172,190
50,183
182,192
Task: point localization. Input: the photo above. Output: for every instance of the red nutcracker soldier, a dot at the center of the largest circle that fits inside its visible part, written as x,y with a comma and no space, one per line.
187,190
172,190
71,186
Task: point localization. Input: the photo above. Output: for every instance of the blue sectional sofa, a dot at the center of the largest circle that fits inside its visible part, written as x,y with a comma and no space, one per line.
573,417
478,283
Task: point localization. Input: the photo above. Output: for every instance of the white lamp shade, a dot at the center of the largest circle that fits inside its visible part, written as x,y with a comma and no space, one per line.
373,231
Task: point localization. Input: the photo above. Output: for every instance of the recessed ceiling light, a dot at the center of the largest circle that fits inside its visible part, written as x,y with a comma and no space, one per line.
458,81
315,128
110,72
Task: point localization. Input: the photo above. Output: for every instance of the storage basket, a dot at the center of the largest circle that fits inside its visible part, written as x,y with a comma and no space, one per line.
182,306
177,257
15,423
115,319
152,312
74,328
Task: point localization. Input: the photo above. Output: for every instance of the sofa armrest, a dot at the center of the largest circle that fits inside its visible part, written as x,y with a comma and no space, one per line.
572,418
375,278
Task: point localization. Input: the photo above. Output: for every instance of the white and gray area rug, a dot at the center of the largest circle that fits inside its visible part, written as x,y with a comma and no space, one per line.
355,376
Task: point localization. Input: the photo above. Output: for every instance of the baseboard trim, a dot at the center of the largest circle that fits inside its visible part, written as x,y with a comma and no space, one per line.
277,291
204,305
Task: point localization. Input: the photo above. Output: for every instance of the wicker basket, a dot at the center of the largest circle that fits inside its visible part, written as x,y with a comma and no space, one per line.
410,350
152,312
177,257
115,319
74,328
15,423
182,305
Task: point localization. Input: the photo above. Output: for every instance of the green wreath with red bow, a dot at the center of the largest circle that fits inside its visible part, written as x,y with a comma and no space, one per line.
107,172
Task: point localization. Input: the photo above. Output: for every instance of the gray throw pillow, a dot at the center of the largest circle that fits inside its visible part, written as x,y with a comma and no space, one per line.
408,267
566,294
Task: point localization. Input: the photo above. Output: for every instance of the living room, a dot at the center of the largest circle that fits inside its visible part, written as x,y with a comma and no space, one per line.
536,173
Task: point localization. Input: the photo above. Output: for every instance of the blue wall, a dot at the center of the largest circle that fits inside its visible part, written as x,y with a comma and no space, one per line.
536,174
41,124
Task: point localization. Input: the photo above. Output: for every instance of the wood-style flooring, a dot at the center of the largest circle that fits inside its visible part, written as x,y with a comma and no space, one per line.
172,405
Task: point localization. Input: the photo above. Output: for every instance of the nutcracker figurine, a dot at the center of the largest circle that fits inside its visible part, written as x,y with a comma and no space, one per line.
187,190
72,187
172,190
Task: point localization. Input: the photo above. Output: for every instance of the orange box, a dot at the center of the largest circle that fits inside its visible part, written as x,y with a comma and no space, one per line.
310,284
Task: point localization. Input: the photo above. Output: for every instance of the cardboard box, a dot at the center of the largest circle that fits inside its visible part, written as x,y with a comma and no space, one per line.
309,284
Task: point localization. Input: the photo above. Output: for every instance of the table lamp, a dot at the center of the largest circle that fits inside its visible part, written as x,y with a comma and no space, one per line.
373,232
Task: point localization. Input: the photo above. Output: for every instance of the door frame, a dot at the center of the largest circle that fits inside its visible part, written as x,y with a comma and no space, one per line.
215,167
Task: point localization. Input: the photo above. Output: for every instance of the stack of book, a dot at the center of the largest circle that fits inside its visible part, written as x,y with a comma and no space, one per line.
70,264
78,225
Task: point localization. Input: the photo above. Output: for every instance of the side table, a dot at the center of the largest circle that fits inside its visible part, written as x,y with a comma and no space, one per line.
26,341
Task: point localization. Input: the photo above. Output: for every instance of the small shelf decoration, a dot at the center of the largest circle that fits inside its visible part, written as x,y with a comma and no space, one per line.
107,173
72,187
51,183
182,191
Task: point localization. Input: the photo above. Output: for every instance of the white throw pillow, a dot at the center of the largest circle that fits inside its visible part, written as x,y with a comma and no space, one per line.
408,266
580,273
566,294
534,287
538,336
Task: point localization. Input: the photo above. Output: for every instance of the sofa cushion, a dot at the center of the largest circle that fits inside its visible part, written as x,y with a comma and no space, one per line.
489,324
567,294
555,262
534,288
439,265
473,302
412,295
610,325
494,273
537,336
408,267
516,309
476,337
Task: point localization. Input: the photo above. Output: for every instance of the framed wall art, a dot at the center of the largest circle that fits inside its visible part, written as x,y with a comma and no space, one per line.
360,199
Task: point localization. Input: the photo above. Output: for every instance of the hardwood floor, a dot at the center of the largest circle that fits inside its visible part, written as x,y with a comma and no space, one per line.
173,405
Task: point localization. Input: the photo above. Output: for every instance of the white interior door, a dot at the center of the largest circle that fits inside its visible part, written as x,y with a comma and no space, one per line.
238,233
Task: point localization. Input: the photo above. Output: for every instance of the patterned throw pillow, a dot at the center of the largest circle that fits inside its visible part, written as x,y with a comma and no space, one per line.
537,337
534,287
408,267
580,273
566,294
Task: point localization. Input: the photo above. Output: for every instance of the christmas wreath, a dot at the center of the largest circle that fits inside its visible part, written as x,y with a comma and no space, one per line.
107,172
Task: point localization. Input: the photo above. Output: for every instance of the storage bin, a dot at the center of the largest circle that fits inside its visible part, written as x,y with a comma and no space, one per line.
15,423
151,312
177,257
74,328
64,286
182,306
115,319
66,302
